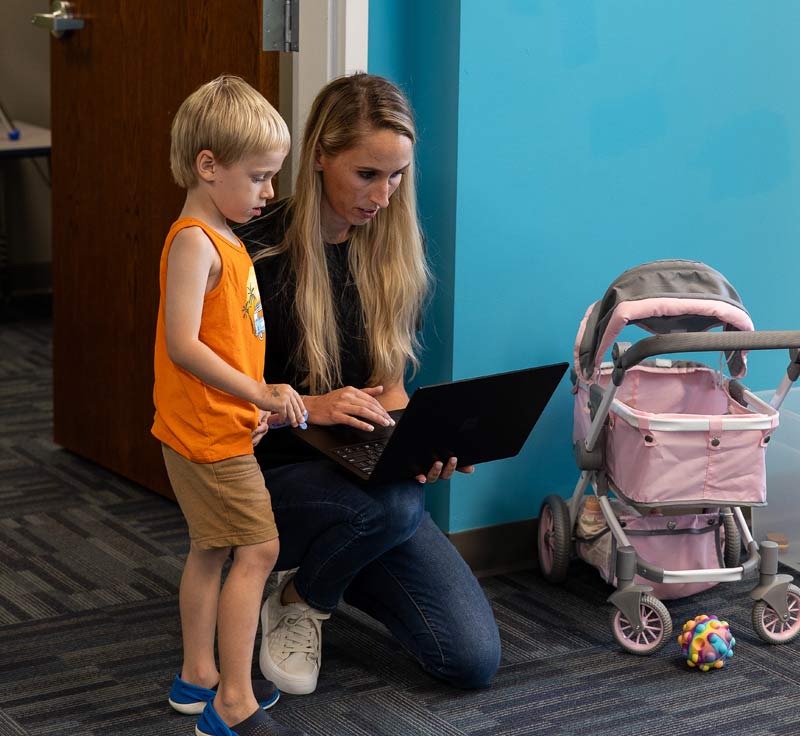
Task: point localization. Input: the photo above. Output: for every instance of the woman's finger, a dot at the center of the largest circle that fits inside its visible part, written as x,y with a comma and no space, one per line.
435,472
360,409
354,422
362,403
351,406
369,415
449,469
364,396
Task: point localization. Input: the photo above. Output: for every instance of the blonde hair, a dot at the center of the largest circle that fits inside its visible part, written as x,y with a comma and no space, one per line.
386,254
229,118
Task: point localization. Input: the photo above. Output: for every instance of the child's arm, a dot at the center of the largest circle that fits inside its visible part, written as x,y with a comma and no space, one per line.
193,269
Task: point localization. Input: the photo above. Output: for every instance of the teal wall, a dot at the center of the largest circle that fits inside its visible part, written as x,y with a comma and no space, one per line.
593,135
399,31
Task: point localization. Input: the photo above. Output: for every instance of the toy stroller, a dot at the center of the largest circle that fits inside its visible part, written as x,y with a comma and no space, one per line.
681,448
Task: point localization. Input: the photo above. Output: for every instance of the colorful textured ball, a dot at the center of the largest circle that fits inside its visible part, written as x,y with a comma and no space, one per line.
706,642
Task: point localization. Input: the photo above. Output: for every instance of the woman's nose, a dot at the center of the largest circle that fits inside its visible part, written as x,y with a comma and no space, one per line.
381,193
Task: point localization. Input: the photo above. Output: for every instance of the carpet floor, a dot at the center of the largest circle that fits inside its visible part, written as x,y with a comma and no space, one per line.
90,638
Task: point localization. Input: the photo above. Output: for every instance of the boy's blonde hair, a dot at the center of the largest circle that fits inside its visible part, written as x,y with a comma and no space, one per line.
227,117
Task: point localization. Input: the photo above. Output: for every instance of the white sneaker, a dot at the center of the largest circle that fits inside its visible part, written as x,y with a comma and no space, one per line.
291,643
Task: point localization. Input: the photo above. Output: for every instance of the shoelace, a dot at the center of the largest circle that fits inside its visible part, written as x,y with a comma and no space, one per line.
301,633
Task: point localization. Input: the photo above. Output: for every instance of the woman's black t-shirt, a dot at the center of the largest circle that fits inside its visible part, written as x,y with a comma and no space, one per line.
283,363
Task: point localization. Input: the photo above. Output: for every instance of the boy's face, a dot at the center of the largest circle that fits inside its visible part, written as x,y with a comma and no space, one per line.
240,190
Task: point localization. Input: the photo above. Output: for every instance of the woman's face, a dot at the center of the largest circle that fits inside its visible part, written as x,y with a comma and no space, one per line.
358,182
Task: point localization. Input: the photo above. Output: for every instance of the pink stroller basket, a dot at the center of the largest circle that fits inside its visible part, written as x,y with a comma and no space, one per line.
671,448
676,437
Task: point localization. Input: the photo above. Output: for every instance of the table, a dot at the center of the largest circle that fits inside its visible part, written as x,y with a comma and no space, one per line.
33,142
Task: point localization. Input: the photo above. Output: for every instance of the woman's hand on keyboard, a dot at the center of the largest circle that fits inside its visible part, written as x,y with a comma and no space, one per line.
356,407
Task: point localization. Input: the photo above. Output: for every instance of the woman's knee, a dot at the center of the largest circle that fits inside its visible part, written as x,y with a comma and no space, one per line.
400,508
472,665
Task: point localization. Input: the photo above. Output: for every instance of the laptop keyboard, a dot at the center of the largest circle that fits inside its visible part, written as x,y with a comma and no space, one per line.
364,456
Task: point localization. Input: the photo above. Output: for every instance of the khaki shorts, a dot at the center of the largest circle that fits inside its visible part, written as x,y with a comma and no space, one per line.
226,504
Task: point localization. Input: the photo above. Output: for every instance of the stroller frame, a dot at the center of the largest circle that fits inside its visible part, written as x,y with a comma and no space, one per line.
640,622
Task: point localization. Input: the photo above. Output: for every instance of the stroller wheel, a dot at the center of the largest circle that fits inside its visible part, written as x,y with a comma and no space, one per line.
655,630
768,624
732,542
554,539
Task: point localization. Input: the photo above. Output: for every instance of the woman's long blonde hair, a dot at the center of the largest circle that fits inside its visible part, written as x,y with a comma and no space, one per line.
386,254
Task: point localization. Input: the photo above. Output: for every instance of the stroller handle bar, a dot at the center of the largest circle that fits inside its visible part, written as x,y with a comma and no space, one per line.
707,342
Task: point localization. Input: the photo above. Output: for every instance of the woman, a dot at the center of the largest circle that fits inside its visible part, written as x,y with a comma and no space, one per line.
343,279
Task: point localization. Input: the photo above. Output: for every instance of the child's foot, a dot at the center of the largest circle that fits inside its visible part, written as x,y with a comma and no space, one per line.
257,724
191,699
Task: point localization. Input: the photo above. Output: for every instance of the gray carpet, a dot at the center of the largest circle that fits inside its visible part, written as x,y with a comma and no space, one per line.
89,635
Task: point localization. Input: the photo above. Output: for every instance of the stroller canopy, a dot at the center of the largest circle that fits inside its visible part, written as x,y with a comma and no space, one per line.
661,297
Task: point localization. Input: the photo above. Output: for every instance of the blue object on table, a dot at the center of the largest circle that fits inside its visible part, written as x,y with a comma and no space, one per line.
13,131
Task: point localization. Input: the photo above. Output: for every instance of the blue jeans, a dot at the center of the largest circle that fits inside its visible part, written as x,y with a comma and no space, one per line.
379,550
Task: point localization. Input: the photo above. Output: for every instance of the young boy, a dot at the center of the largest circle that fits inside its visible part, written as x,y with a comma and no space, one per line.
211,400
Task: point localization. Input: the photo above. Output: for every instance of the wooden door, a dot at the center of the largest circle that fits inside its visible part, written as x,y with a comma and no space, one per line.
116,84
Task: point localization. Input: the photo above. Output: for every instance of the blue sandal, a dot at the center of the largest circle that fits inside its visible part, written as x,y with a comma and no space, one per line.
192,699
258,724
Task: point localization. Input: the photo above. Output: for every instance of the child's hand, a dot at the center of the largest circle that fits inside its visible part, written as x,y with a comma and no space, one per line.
281,398
262,427
276,421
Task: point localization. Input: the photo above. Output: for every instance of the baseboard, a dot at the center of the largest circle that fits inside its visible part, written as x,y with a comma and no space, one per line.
498,549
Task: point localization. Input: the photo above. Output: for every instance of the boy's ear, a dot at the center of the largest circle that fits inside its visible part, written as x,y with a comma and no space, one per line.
206,165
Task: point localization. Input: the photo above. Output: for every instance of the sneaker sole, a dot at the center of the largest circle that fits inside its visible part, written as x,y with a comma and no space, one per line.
267,705
188,709
286,685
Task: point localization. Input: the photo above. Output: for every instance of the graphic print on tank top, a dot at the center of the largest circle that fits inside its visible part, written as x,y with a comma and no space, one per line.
252,307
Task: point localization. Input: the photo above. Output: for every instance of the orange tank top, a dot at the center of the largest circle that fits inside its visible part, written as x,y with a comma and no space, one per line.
196,420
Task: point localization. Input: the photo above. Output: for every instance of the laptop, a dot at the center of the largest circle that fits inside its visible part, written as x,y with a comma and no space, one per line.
475,420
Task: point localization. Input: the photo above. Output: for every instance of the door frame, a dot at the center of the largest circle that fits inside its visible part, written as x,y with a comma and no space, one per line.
334,40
